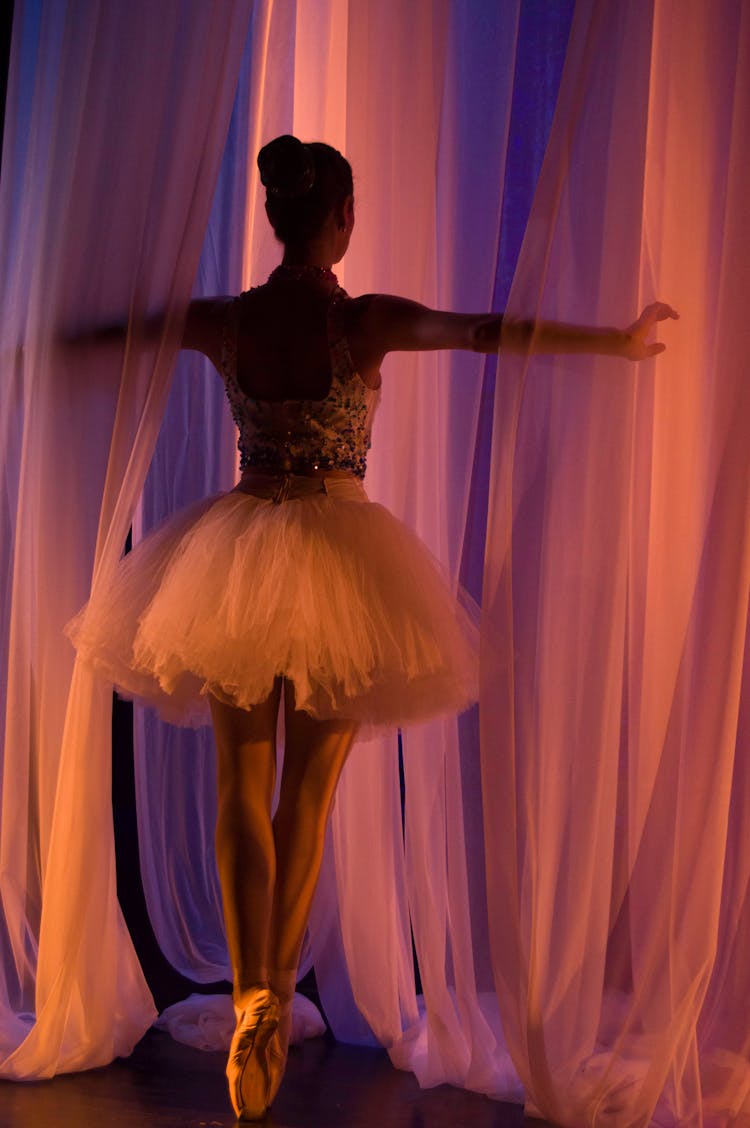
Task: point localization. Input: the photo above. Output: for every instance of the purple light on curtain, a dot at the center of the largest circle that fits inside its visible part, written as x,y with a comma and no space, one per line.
616,588
115,126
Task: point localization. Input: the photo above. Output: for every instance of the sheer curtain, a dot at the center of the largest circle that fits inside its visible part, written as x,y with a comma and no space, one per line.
614,711
115,127
580,919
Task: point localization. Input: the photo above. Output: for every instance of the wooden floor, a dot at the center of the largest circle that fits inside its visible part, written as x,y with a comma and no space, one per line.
327,1085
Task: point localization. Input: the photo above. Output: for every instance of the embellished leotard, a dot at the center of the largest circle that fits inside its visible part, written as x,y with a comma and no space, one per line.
299,435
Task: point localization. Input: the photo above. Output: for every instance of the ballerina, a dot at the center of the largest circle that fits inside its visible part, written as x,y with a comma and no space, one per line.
294,590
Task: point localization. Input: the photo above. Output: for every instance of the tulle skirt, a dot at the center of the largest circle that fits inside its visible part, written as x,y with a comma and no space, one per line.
302,577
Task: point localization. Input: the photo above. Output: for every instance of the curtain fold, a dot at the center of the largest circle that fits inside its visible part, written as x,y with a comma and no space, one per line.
616,585
442,235
116,127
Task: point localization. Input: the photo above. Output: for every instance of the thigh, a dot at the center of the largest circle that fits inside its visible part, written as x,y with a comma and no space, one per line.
246,748
315,752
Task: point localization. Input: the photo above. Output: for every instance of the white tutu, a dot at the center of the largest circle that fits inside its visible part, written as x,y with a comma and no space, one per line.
329,590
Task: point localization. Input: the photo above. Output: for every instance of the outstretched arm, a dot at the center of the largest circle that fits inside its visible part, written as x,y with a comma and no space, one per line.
557,337
396,324
201,331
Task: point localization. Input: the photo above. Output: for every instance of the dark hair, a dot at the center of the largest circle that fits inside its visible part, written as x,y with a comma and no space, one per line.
303,183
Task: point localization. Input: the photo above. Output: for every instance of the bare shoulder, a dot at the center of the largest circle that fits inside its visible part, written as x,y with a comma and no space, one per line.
379,316
374,309
389,323
357,313
204,326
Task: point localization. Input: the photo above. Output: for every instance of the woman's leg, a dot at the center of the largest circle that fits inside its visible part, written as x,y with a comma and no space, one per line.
268,871
245,850
314,754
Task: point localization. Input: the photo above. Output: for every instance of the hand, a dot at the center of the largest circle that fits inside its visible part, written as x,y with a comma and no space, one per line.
635,347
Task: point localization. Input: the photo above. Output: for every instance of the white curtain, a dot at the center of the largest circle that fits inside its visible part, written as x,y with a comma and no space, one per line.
614,708
115,128
579,918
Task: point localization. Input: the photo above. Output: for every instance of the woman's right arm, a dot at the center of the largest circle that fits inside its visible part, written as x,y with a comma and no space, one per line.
204,325
202,330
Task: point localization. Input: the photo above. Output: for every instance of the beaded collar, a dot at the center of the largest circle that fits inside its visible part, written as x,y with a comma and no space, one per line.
298,273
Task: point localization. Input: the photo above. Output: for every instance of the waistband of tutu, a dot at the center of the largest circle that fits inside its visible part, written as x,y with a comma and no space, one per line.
280,487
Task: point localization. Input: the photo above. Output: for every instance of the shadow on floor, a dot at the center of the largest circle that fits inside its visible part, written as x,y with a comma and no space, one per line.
328,1085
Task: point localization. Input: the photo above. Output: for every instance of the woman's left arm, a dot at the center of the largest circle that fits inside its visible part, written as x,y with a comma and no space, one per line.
558,337
392,324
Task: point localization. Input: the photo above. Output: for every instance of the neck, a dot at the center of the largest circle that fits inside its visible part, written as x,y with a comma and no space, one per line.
295,258
318,252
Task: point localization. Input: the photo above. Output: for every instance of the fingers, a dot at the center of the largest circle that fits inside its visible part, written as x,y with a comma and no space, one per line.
658,311
655,349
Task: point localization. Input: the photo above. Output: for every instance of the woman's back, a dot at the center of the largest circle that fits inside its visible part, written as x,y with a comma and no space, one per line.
284,336
299,402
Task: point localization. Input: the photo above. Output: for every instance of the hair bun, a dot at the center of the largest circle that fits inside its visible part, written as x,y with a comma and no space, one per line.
287,168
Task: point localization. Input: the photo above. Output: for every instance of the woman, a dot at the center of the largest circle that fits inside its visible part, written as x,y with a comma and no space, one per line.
294,585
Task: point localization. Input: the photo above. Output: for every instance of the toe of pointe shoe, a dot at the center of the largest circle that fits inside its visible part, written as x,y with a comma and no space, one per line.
248,1067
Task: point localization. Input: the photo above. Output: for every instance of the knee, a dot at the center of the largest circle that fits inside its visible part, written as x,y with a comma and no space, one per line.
244,788
239,815
304,810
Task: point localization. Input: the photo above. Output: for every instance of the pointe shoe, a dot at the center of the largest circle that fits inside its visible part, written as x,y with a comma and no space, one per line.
278,1050
248,1067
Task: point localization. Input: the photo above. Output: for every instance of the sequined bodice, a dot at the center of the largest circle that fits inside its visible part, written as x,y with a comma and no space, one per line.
295,436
